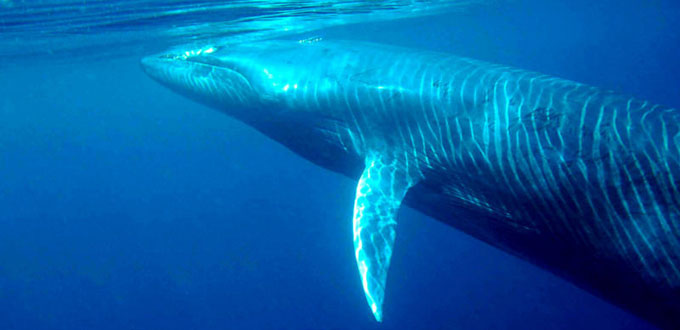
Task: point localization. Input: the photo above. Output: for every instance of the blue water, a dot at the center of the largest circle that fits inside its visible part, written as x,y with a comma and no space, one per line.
125,206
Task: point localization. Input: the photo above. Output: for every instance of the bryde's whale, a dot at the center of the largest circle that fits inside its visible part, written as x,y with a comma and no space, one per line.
575,179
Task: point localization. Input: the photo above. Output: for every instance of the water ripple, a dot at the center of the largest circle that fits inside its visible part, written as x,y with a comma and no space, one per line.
56,29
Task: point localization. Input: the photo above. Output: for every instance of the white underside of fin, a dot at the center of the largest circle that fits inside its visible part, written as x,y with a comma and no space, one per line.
381,188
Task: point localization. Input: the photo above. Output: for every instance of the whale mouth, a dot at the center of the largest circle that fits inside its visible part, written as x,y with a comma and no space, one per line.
165,66
206,77
205,57
196,70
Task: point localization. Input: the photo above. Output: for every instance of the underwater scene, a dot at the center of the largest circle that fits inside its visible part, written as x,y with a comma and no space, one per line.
402,164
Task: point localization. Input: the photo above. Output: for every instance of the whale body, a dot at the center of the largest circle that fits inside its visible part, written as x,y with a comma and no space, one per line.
575,179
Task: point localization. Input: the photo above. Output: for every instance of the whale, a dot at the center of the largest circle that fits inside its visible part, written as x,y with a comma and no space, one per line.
578,180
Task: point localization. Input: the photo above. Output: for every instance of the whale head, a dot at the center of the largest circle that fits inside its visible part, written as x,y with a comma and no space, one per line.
248,81
288,90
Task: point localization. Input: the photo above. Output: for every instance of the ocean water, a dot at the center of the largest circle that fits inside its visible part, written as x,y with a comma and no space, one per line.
126,206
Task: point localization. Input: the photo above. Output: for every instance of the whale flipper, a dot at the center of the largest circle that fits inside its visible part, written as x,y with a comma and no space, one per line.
380,190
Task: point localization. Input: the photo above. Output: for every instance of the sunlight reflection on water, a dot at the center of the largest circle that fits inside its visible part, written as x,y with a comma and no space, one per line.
100,29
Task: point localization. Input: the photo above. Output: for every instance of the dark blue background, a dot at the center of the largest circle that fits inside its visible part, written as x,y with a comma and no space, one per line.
125,206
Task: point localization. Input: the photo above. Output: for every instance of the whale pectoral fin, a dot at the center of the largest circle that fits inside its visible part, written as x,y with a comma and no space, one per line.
381,188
